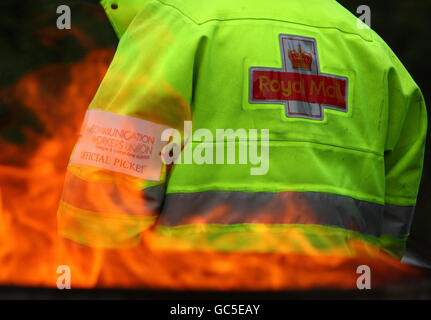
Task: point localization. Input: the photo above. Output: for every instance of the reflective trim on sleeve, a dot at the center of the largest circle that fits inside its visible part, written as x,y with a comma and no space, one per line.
101,229
397,220
107,209
116,196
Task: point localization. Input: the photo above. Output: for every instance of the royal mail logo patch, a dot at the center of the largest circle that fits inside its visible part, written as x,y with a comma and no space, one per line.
299,84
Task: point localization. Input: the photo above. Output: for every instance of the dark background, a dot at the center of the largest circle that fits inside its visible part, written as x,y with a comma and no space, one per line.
29,39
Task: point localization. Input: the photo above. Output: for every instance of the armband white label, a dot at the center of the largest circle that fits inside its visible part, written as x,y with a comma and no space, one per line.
120,143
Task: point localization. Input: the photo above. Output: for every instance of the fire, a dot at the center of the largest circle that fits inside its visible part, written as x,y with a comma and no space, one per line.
31,180
31,175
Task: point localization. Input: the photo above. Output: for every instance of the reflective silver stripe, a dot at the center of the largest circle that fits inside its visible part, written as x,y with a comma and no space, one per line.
286,208
273,208
397,220
111,197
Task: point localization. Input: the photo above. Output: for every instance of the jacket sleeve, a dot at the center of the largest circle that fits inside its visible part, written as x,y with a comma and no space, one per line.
115,181
404,154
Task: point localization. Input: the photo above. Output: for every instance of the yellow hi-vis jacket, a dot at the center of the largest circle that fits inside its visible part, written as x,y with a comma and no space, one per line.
326,126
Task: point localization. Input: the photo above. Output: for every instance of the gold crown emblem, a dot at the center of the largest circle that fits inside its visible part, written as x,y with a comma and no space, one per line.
300,59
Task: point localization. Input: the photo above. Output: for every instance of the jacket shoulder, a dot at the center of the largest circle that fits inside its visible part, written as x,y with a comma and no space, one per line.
313,13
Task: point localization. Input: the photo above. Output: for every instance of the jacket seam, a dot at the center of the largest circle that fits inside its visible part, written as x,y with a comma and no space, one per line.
259,19
375,153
